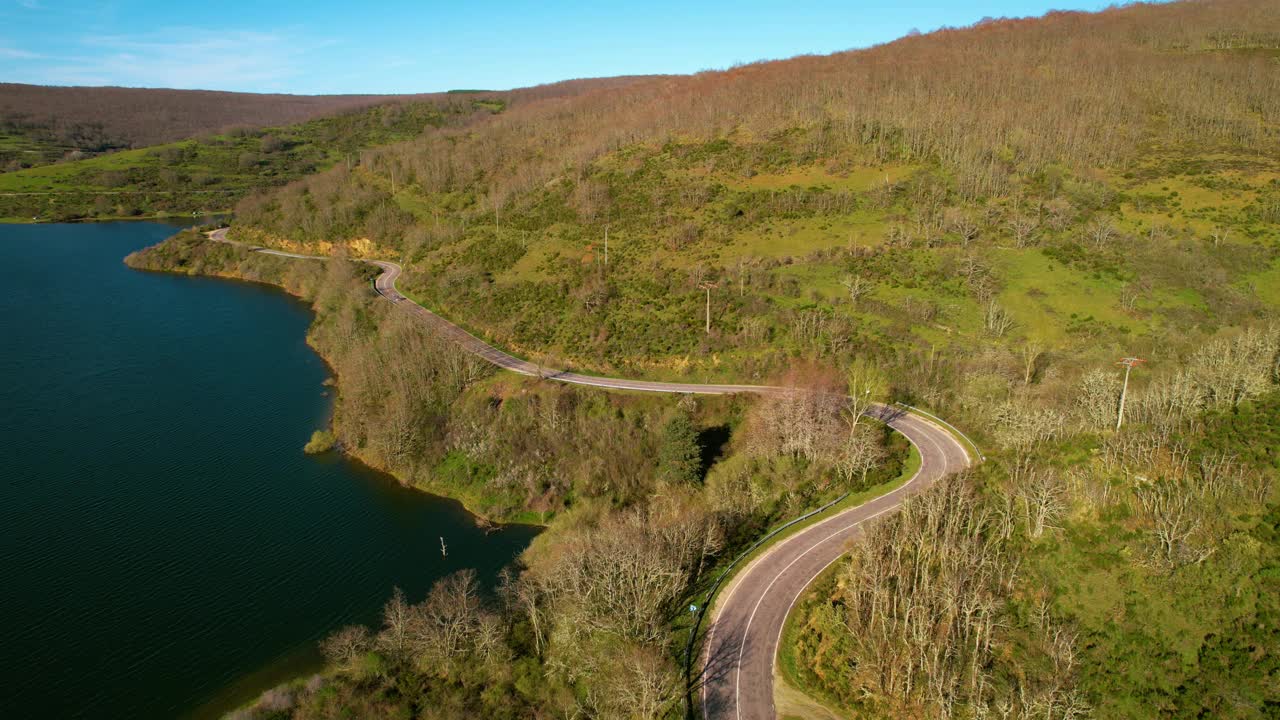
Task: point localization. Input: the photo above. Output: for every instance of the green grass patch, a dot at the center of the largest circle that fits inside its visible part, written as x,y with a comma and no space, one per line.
1049,301
800,237
859,178
789,668
1265,283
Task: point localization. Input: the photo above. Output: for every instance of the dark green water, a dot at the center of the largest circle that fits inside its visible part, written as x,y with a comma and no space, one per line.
162,535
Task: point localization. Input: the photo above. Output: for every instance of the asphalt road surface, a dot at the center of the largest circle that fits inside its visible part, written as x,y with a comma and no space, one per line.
746,623
742,641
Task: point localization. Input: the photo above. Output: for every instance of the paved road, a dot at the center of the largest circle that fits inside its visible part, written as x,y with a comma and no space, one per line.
742,642
746,625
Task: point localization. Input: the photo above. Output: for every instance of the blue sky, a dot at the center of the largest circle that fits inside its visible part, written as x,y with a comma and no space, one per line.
425,46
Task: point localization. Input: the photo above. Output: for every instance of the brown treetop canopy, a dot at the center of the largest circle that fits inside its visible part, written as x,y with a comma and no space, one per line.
135,117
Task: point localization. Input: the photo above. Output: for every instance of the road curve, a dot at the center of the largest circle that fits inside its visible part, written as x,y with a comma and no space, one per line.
742,642
746,626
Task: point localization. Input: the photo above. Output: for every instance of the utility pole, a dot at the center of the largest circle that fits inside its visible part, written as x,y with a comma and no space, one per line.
707,286
1129,364
606,246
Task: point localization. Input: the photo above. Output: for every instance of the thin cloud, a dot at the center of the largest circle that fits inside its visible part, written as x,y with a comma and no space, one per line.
198,58
9,53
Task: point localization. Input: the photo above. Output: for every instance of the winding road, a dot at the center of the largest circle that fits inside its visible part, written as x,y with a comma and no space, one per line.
747,620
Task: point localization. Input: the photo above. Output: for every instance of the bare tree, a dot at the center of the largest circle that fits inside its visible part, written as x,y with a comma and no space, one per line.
343,647
1231,370
1172,509
1023,227
623,578
996,319
1130,294
1040,494
1059,213
1097,397
857,286
972,265
920,603
800,422
527,599
866,386
1100,231
447,624
641,684
1022,427
1032,354
962,223
396,619
857,455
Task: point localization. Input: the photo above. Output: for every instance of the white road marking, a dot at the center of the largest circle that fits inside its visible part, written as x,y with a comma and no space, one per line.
385,285
746,632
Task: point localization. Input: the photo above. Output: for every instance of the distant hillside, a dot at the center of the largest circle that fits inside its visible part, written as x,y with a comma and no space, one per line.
39,124
98,119
210,172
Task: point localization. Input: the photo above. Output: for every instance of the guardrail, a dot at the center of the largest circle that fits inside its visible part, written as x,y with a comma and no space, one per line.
953,428
702,610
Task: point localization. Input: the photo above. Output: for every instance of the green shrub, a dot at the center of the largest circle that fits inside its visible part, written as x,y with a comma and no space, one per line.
321,441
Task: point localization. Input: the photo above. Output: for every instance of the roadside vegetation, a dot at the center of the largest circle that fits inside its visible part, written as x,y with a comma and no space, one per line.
643,496
1127,575
980,222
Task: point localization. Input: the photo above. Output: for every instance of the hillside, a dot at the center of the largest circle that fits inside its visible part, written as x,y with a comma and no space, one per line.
978,221
209,173
1008,185
40,124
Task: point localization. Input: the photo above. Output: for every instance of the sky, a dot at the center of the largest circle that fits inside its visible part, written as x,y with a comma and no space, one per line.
322,46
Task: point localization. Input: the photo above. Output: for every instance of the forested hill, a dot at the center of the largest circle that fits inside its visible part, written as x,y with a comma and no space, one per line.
922,189
63,170
148,116
979,222
41,124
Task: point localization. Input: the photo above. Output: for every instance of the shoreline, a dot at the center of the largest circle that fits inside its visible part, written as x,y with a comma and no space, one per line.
303,661
937,460
113,219
335,421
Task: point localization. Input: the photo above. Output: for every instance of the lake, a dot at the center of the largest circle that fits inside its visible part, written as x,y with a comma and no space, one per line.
166,547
